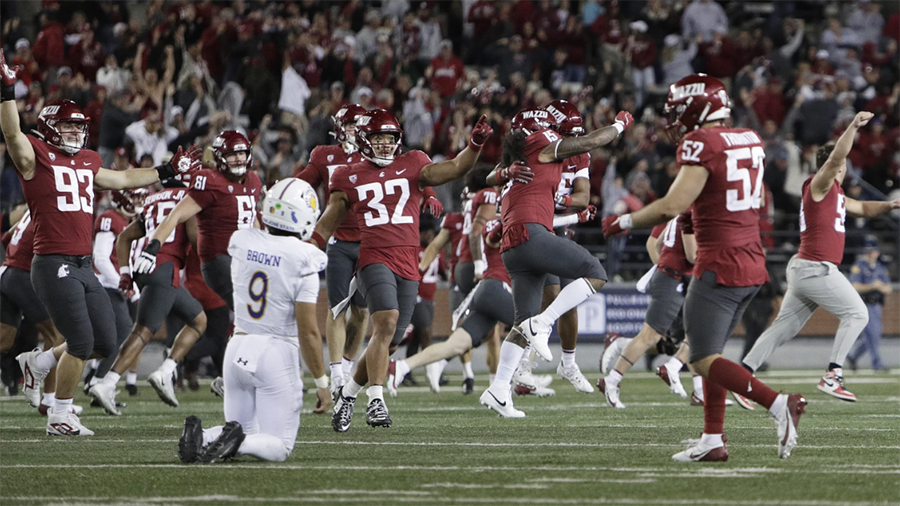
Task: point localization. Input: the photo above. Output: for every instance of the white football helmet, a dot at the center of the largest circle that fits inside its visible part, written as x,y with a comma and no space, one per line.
291,205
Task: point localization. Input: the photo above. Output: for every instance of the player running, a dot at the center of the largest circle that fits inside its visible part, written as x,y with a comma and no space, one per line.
721,175
812,274
276,282
385,194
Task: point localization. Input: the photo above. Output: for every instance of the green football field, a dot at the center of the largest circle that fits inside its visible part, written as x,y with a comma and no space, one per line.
447,449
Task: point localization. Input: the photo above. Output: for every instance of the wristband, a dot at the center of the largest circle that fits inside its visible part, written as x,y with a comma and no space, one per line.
165,171
474,146
619,127
566,201
625,221
7,92
125,270
318,239
322,382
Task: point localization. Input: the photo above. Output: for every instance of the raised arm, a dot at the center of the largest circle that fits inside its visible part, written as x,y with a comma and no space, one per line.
434,248
436,174
824,178
20,150
572,146
683,192
335,212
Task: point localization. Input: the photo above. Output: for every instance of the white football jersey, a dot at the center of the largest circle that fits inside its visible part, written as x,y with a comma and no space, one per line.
269,274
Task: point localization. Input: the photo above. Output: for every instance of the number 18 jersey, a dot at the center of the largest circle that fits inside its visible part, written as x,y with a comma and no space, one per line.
726,213
270,273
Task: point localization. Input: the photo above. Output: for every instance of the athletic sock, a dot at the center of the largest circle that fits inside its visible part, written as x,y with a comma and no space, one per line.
778,404
568,358
347,365
48,399
614,378
168,367
673,364
211,434
62,406
375,392
337,371
573,294
712,439
352,388
713,407
733,377
45,361
510,354
131,378
112,378
698,385
467,370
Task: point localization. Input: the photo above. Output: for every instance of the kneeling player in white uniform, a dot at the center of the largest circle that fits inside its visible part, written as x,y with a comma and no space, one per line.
276,285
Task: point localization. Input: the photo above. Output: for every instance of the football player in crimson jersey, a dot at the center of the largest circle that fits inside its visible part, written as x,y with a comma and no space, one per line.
675,249
812,274
161,294
534,157
721,175
18,299
58,177
385,194
476,212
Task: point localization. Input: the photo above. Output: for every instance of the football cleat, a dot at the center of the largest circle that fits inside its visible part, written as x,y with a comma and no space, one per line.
697,400
164,385
538,391
613,346
393,382
538,336
225,446
66,424
573,374
611,392
218,387
105,394
502,405
433,372
833,384
88,378
343,411
742,401
132,390
524,377
33,379
787,420
377,414
700,452
190,445
75,409
672,379
468,386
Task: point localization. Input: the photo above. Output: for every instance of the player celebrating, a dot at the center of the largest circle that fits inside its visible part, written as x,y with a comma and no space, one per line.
161,294
476,212
530,250
812,274
721,175
58,176
276,281
385,193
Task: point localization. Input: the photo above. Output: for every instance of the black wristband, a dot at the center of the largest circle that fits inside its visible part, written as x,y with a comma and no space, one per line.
7,92
152,247
165,171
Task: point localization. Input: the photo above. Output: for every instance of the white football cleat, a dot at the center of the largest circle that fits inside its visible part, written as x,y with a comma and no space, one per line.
573,374
673,380
33,378
66,424
701,452
611,392
742,401
538,335
833,384
525,378
106,396
164,385
538,391
502,405
615,343
433,372
787,420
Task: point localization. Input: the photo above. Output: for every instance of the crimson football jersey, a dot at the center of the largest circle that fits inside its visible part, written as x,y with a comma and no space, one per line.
495,267
196,285
20,249
323,161
453,223
386,202
110,221
156,208
430,277
532,202
227,206
61,199
575,167
822,230
672,255
485,196
726,213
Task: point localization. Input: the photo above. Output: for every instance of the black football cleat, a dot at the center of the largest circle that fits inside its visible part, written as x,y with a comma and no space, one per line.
191,443
343,411
132,390
377,414
225,446
468,386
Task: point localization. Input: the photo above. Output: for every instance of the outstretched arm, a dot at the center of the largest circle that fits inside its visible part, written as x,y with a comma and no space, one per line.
870,208
684,191
338,207
824,178
436,174
434,248
181,162
572,146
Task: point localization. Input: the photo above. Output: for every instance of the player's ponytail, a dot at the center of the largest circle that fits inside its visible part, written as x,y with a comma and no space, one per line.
513,148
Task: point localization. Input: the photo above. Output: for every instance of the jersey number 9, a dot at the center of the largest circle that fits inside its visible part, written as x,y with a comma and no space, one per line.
258,296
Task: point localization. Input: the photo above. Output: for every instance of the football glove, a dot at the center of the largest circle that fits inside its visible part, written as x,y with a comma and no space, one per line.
615,224
7,79
480,133
588,214
517,172
433,206
146,261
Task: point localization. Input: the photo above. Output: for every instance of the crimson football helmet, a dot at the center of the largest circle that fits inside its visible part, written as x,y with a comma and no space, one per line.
692,101
372,123
67,112
130,202
227,143
344,120
567,119
531,120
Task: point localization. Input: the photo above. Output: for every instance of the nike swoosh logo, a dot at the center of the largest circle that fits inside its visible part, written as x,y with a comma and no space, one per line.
401,171
828,383
86,163
502,404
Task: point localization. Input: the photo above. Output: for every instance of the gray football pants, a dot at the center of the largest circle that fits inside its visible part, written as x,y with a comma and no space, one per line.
810,285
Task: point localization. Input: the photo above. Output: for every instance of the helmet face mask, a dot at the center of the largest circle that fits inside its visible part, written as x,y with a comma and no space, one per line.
379,137
130,202
232,153
345,124
567,120
62,124
693,101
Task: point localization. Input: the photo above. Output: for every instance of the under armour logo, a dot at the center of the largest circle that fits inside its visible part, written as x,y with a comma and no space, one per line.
63,271
242,361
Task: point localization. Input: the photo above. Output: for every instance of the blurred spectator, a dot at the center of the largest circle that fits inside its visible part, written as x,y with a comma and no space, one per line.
29,70
94,110
49,47
641,51
294,90
118,113
86,56
150,137
720,55
676,60
867,21
112,76
703,17
446,71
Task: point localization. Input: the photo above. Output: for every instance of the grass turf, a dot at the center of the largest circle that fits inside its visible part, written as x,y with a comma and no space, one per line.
447,449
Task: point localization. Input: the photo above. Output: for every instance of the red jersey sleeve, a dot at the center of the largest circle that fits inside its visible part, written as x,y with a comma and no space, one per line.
537,141
695,149
313,171
203,191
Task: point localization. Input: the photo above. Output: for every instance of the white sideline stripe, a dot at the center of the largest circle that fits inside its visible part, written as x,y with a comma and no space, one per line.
306,498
